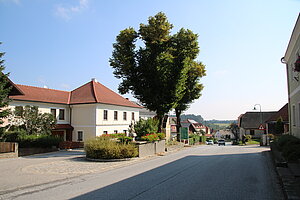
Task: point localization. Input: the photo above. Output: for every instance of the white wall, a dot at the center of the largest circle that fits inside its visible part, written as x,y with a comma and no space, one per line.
44,108
110,125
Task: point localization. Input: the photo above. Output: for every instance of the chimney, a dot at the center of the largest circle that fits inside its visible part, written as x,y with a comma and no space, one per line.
94,79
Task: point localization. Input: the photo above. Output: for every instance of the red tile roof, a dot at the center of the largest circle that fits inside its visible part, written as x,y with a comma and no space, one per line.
95,92
282,113
41,95
91,92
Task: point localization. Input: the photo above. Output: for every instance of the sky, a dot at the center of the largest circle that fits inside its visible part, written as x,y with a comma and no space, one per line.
62,44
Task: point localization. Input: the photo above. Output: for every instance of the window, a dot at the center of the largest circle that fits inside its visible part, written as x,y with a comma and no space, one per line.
19,111
61,114
53,112
79,136
125,131
132,116
251,132
124,116
105,115
105,132
115,131
115,115
294,115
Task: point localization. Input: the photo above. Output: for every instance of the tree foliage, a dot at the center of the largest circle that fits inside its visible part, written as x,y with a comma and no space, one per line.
161,70
31,120
4,91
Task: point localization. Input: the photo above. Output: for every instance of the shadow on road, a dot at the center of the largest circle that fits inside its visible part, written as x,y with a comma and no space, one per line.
237,176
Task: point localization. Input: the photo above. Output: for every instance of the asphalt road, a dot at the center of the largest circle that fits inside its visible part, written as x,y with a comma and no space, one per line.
204,172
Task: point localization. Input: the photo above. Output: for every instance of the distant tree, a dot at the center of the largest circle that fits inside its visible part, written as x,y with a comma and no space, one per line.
4,92
234,130
151,71
279,127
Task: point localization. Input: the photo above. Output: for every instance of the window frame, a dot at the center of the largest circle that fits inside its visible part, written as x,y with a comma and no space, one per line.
105,114
80,139
132,116
115,115
61,110
125,116
53,109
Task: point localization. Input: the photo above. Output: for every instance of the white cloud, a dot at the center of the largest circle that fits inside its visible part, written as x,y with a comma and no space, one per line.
66,12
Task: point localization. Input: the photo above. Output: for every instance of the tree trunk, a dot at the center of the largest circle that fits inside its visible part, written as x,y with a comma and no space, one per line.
160,118
178,124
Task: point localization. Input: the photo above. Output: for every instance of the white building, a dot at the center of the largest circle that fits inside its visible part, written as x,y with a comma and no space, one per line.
291,58
88,111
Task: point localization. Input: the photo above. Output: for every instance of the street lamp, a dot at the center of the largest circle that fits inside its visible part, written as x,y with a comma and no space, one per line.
261,119
259,111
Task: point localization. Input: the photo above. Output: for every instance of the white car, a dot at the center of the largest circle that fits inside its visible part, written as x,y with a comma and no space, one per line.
210,142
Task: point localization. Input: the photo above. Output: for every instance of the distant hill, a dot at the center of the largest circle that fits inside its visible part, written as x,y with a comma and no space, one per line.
197,118
214,124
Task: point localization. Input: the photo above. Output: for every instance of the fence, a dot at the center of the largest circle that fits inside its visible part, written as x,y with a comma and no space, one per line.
8,150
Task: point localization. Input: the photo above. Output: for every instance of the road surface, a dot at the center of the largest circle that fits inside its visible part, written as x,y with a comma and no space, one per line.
203,172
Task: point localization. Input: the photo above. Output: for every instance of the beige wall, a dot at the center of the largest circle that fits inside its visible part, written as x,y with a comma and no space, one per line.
83,118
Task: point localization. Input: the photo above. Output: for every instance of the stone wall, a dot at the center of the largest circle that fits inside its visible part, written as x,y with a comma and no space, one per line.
151,148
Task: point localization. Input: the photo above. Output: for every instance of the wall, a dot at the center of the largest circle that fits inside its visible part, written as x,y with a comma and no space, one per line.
110,125
152,148
290,57
8,150
83,118
44,108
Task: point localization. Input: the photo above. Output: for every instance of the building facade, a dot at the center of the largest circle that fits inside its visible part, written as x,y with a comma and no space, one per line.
292,61
86,112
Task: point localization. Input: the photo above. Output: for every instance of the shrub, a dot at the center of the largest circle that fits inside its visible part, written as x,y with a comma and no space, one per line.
150,137
290,147
144,127
161,136
191,141
105,148
248,138
42,141
125,139
13,136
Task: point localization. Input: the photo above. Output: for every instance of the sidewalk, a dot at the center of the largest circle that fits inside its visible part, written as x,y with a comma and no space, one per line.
290,179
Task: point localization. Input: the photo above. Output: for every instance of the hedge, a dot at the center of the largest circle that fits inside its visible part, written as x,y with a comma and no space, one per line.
106,148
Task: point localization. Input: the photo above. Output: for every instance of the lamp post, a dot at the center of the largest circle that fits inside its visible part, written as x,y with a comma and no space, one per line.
261,119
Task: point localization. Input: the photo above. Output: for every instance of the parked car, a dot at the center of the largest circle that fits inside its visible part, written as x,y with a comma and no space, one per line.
221,142
209,142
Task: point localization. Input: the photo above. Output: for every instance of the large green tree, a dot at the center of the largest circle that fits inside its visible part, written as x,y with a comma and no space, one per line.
4,91
192,90
155,71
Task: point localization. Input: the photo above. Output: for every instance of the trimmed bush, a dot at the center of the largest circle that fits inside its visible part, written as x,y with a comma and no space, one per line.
43,141
105,148
26,141
289,146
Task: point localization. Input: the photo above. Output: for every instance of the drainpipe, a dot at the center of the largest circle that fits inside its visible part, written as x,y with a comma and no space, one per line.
283,61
